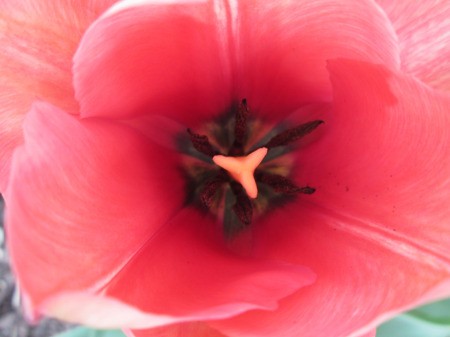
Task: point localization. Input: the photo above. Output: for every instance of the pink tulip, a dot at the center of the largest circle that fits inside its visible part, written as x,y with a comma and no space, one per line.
114,222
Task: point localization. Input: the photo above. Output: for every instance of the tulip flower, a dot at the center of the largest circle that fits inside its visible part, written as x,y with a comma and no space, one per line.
226,168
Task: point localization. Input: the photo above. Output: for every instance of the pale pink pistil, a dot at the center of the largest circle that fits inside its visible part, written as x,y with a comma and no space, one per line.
242,169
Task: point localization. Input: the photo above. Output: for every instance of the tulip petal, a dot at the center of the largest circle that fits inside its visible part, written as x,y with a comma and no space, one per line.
84,197
94,213
283,47
162,57
371,333
376,229
358,278
423,30
101,312
10,132
385,154
186,270
38,40
195,329
104,312
210,54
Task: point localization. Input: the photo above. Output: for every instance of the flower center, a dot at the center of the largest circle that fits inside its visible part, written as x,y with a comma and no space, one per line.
243,168
235,172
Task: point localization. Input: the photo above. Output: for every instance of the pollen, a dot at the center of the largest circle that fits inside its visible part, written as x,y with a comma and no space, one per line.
242,169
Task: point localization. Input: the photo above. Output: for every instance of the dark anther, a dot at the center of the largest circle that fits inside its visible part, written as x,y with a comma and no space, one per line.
240,130
281,184
211,187
201,144
306,190
243,207
291,135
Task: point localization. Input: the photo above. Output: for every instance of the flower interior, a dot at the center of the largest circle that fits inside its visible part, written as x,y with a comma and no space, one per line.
238,165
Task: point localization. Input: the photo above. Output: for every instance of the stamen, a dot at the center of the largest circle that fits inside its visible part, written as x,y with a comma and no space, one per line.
291,135
228,192
201,144
281,184
211,187
243,207
242,169
240,130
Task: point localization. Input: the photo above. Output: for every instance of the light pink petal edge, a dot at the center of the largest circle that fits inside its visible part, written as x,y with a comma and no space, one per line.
423,30
38,40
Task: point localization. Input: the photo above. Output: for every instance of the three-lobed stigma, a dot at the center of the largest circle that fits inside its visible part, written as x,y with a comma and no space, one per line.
226,182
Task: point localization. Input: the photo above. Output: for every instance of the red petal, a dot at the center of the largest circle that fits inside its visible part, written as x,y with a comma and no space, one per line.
385,155
201,48
423,33
84,197
376,229
186,270
283,47
149,57
360,279
38,40
195,329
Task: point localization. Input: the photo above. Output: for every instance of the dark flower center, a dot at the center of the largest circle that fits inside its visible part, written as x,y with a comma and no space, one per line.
218,191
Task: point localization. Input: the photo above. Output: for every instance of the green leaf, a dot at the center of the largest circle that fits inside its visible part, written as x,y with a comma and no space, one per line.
86,332
438,312
432,320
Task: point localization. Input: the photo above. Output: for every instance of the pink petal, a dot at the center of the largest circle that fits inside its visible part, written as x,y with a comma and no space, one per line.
161,130
423,30
371,333
376,230
195,329
161,57
186,270
84,197
274,54
38,40
359,277
10,133
386,155
102,312
282,48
